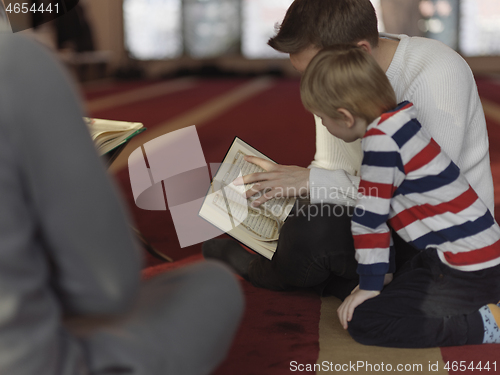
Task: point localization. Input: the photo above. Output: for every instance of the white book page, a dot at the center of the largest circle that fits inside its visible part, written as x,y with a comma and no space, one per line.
226,207
99,127
234,164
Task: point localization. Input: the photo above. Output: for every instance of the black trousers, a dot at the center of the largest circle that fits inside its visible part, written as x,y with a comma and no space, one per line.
427,304
316,250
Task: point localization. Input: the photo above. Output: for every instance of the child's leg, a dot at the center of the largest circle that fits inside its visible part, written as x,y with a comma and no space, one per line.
428,305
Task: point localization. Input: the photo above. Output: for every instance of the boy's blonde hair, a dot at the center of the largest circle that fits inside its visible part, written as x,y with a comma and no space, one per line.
346,76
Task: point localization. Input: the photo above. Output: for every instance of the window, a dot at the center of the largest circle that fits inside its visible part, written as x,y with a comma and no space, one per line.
211,27
152,28
480,27
260,17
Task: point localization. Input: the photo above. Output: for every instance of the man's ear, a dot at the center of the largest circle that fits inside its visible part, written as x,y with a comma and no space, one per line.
364,44
347,117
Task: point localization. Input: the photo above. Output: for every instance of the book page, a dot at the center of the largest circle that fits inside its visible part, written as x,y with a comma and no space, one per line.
258,228
274,207
108,134
99,126
263,228
234,164
215,211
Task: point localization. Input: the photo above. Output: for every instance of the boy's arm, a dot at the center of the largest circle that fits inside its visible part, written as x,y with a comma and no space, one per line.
381,173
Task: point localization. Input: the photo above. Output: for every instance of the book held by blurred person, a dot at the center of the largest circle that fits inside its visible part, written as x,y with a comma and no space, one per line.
108,135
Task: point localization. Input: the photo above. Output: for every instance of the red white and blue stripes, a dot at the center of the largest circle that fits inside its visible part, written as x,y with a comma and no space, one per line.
410,184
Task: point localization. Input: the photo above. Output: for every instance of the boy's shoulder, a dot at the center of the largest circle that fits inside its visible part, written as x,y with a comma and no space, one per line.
393,122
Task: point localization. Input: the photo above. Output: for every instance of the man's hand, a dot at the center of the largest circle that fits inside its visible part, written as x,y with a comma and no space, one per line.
357,297
278,181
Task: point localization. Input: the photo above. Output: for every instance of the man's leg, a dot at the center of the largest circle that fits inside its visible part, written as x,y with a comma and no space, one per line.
183,323
428,304
315,244
404,251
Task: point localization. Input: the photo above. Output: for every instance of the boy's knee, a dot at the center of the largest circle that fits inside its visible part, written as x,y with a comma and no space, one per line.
360,332
356,329
367,328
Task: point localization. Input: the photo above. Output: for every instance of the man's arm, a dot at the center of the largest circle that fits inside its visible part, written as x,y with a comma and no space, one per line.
331,177
81,222
278,181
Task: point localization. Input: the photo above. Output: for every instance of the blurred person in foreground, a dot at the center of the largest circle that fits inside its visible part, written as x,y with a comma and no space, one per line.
70,295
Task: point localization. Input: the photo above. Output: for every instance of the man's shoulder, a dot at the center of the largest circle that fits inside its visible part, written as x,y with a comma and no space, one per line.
433,52
426,62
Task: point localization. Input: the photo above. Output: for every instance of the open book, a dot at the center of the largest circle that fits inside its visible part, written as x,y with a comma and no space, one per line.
226,207
109,134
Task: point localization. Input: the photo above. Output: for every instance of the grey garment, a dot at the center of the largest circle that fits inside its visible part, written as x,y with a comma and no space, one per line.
65,245
183,323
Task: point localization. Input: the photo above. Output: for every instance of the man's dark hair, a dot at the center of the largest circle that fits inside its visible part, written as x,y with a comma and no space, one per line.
323,23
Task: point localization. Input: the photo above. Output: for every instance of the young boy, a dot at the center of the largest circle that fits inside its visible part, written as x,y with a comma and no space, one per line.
445,295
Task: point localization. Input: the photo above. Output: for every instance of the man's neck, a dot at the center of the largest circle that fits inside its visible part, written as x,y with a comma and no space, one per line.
384,52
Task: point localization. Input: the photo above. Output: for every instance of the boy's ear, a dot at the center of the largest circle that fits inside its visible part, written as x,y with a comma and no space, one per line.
364,44
347,117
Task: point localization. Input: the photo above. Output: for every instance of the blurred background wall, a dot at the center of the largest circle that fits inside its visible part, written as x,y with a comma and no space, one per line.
133,38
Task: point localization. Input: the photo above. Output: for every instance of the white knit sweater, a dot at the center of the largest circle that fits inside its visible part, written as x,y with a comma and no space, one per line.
441,86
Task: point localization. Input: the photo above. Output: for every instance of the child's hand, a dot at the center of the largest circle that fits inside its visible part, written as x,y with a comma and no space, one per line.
357,297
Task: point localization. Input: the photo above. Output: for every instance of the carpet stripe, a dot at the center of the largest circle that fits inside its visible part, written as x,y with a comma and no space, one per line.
104,85
336,347
197,116
140,94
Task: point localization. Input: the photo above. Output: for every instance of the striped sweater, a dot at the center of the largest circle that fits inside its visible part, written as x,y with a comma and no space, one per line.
409,184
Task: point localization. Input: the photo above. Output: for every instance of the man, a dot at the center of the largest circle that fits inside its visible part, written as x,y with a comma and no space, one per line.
318,251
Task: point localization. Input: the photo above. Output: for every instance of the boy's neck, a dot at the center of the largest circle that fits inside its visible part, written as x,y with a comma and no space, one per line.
384,52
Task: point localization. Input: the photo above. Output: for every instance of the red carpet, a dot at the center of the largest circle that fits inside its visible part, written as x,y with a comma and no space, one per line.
277,327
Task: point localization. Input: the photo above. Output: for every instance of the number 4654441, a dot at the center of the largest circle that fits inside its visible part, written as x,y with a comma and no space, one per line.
471,366
25,8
